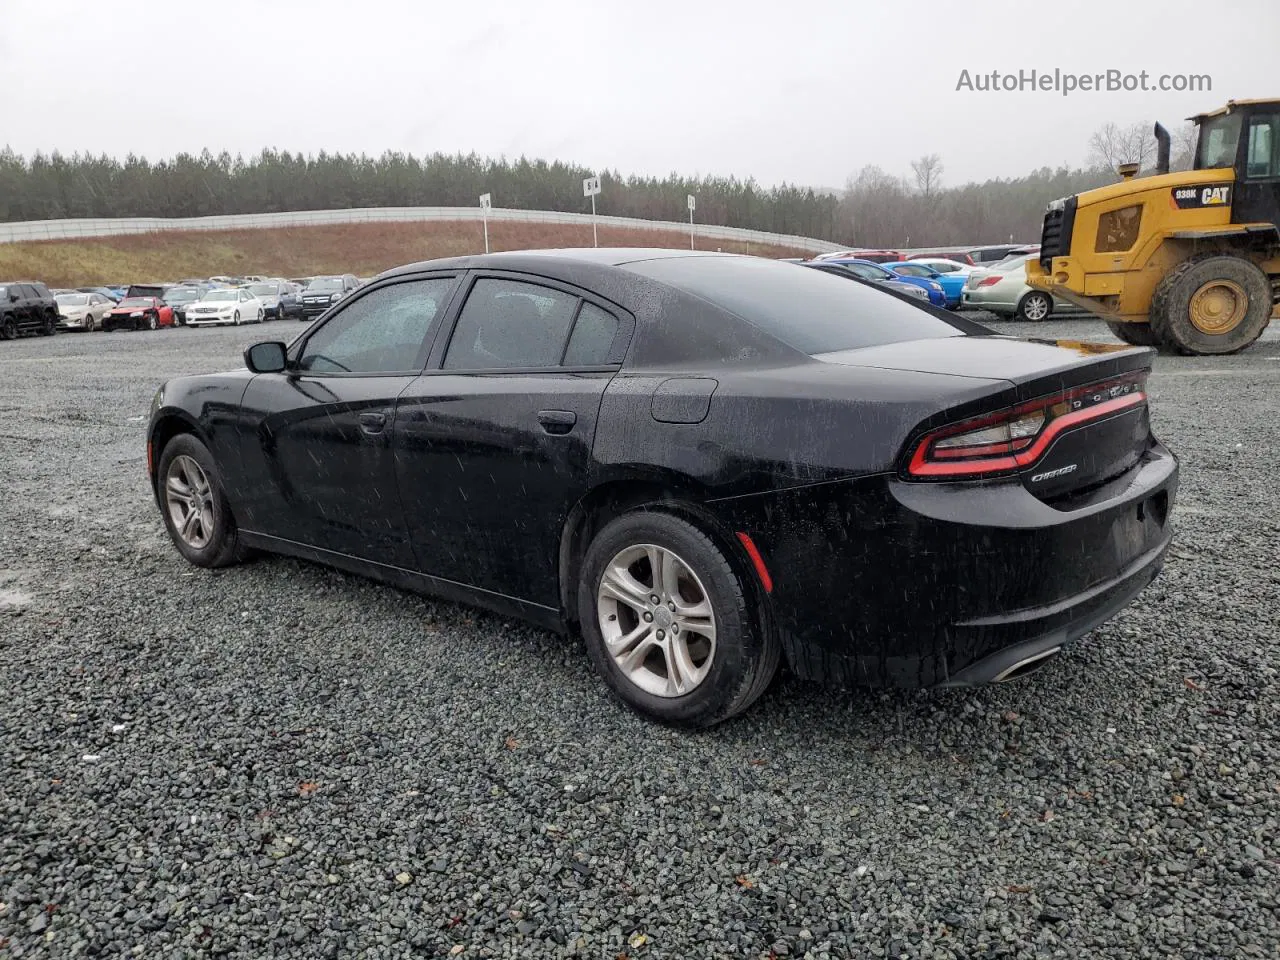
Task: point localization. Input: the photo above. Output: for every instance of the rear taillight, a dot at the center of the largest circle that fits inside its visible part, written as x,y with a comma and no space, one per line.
989,281
1014,438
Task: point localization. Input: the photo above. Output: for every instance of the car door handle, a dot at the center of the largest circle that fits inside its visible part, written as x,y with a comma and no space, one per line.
373,423
557,422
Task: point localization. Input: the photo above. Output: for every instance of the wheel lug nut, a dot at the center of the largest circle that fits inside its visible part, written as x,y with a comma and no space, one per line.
654,599
671,605
675,628
648,617
661,635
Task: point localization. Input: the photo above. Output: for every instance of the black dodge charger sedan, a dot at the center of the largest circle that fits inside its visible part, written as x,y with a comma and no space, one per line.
703,463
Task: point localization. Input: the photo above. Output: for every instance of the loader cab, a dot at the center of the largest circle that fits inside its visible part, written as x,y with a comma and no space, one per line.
1245,136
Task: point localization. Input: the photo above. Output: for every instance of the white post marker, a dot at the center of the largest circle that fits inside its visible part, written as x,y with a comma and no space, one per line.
693,203
486,201
591,187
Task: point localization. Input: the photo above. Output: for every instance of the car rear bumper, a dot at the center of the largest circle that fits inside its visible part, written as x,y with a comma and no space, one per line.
884,582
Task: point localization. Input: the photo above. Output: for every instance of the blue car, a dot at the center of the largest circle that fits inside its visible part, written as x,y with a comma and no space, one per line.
937,296
952,284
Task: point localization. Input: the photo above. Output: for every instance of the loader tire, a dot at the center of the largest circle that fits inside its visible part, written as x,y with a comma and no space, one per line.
1137,334
1212,303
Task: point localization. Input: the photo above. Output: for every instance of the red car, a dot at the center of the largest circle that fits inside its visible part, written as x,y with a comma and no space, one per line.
139,313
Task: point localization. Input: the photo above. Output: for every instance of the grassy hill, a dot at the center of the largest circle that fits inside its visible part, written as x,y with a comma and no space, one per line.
360,248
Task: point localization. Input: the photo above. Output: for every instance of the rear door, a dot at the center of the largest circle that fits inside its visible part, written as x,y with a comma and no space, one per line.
316,439
493,442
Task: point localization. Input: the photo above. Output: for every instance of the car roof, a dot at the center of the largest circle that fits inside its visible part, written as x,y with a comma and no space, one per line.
520,259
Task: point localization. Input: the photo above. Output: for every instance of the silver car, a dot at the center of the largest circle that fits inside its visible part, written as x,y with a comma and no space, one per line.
1002,289
82,311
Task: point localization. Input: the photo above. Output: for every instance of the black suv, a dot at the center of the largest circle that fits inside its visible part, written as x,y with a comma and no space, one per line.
322,292
27,307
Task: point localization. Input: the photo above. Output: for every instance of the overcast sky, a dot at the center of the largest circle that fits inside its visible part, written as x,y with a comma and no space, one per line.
800,92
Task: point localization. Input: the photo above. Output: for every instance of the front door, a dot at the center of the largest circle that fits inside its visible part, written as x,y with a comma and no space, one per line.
1257,191
316,439
493,445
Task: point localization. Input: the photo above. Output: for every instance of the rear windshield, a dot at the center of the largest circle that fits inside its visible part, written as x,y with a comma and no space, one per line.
326,283
809,310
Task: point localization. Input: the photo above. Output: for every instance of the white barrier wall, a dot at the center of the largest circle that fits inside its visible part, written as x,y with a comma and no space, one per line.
64,229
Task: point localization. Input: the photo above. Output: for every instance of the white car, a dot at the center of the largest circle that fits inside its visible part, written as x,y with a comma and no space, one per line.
82,311
1003,290
942,265
225,308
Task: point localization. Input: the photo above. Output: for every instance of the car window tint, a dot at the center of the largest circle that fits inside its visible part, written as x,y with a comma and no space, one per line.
382,332
808,309
508,323
592,337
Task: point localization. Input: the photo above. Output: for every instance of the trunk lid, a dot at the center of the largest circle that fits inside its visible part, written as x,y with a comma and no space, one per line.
1098,431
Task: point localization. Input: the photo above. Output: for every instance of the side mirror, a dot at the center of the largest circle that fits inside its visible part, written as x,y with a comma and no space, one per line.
268,357
13,297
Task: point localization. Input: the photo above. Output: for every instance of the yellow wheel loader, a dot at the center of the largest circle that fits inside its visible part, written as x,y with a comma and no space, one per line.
1189,262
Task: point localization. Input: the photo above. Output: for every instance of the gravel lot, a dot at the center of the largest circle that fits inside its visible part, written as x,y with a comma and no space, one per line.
279,760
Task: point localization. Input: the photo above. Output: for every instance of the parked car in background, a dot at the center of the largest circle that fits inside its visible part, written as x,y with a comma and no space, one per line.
181,297
107,292
226,307
871,273
82,311
933,289
1003,290
984,256
269,293
871,256
950,254
322,292
952,283
156,290
997,498
139,313
291,301
27,306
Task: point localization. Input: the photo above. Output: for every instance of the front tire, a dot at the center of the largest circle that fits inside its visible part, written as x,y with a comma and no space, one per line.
195,508
1034,307
8,329
236,319
1211,304
1137,334
697,654
152,322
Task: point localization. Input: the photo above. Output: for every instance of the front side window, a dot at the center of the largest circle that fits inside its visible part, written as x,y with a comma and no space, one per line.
1263,159
381,332
1219,137
509,323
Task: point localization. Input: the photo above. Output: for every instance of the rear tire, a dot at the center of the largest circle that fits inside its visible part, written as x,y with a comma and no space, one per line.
1210,304
743,658
1137,334
219,545
1034,307
8,329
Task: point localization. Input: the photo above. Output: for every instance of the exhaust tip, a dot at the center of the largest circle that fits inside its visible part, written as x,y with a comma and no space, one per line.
1027,666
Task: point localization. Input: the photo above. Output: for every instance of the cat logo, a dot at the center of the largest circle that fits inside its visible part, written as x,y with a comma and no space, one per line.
1200,196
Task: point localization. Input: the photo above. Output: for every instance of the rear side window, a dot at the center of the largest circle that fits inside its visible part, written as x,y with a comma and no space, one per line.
509,323
591,338
809,310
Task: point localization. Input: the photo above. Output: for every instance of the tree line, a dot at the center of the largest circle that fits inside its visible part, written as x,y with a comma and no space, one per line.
876,208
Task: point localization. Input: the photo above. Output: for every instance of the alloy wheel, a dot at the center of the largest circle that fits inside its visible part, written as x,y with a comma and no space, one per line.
1036,307
189,498
657,620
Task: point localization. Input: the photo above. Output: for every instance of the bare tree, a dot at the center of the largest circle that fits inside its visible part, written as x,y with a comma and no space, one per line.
1112,145
928,173
1184,147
